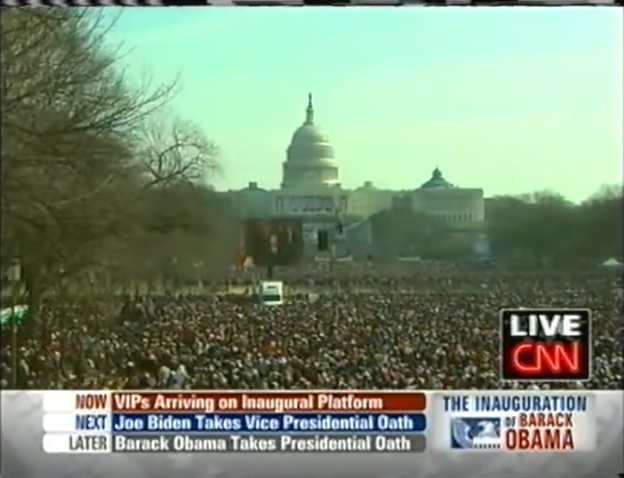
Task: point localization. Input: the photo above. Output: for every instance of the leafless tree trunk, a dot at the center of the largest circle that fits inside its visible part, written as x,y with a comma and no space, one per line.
80,147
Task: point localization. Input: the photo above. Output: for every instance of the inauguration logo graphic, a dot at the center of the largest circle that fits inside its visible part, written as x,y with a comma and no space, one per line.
525,421
475,432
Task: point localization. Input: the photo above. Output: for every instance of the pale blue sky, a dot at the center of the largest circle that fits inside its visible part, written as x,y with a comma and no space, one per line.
511,100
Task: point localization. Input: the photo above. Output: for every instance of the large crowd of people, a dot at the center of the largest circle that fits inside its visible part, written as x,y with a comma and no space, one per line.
370,330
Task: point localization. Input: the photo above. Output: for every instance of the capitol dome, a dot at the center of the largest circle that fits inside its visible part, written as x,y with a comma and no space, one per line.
310,144
310,155
309,134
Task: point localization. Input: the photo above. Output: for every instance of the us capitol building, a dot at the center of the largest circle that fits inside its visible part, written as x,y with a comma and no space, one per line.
311,191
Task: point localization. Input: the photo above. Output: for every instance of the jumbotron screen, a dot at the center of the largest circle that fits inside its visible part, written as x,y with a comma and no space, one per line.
273,241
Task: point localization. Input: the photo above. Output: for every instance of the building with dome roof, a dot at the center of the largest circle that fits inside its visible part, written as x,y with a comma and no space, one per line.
310,156
311,192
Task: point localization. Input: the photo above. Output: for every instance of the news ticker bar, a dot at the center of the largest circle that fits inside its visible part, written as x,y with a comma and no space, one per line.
226,443
236,402
235,422
107,422
23,453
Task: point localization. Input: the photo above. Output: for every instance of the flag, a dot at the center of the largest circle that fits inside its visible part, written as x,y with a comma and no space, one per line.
13,315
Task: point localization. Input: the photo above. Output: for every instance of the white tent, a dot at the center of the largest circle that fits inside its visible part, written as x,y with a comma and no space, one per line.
611,263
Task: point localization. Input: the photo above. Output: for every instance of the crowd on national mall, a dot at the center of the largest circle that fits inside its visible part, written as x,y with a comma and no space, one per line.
364,328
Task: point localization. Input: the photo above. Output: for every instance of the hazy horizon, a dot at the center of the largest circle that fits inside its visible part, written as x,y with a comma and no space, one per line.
511,100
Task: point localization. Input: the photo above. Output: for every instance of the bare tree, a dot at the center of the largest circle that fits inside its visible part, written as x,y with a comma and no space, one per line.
80,146
545,229
170,151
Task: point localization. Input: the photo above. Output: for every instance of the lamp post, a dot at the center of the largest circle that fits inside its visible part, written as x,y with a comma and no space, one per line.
273,251
332,237
14,275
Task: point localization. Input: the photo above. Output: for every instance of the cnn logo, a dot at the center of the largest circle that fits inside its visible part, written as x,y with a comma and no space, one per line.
546,344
